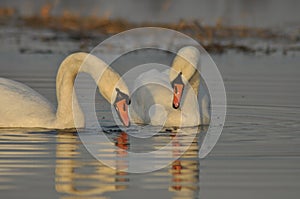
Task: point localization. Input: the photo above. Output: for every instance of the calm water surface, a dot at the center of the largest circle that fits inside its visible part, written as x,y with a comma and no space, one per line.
257,156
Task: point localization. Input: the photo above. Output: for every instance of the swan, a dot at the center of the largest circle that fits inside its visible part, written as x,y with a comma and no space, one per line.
21,106
169,98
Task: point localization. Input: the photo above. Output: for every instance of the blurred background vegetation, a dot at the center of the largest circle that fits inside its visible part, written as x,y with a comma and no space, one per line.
218,24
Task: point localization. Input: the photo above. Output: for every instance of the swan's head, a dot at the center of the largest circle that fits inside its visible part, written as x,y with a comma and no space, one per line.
121,104
183,68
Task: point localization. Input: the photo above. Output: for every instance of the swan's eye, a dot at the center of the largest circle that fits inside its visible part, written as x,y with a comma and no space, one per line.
128,102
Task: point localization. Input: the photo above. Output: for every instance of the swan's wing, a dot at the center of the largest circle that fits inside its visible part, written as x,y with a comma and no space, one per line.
20,104
153,76
151,87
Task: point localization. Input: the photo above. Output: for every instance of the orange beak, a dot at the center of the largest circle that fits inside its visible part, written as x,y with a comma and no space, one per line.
178,87
177,94
122,110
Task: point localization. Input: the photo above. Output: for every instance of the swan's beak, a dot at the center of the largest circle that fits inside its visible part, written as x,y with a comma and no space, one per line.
178,87
177,94
122,110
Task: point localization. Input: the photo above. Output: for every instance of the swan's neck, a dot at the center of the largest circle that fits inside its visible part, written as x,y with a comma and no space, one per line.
194,81
67,103
186,62
68,106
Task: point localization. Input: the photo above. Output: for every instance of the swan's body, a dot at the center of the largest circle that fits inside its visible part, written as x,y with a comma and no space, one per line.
152,101
21,106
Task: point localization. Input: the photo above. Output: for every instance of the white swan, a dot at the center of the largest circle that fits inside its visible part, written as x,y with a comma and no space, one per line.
169,98
21,106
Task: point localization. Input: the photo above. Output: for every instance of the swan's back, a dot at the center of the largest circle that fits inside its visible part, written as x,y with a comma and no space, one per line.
22,106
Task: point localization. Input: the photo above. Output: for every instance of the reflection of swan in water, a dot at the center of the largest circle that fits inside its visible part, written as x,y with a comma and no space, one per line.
181,177
20,106
169,98
185,170
78,175
68,177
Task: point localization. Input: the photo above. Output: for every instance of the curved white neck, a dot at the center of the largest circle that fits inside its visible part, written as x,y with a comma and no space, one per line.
104,76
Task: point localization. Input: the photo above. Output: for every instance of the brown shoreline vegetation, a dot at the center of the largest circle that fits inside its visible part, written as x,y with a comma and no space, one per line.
208,36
